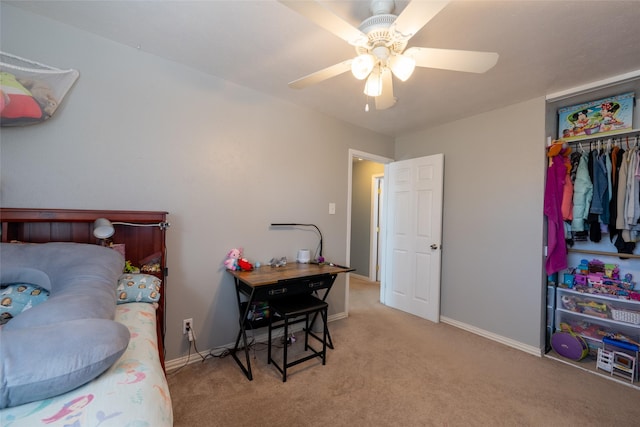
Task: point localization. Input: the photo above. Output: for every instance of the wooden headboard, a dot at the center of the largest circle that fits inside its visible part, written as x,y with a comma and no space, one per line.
73,225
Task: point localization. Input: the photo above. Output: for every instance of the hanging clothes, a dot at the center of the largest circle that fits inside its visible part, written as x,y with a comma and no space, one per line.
582,194
567,201
632,207
606,194
556,175
575,161
628,203
598,174
622,191
616,162
567,194
608,169
600,180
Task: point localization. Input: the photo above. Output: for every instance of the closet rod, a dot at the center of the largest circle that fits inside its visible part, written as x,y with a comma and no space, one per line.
603,253
621,136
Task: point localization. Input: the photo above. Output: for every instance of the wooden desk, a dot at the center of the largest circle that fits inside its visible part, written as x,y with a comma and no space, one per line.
267,283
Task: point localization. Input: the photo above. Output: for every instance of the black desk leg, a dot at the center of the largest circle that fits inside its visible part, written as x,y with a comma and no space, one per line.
243,334
315,316
329,341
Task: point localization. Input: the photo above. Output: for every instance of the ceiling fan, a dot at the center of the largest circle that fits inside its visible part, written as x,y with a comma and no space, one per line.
380,43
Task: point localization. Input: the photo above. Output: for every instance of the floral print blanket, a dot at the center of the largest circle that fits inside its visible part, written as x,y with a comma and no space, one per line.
133,392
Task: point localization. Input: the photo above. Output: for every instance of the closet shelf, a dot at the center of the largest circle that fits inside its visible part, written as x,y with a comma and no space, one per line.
604,253
634,133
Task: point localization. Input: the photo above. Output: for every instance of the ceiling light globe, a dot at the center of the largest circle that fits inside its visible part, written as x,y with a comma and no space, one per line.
402,66
362,65
373,87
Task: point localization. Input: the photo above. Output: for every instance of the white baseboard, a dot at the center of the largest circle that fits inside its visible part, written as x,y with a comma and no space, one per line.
494,337
185,360
193,358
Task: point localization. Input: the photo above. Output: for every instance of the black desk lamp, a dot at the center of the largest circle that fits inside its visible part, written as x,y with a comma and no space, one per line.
291,224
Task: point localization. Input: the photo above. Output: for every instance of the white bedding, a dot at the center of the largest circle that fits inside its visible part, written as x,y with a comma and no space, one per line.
131,393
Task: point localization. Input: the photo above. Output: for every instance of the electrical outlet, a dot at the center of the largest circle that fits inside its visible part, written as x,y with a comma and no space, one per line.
186,322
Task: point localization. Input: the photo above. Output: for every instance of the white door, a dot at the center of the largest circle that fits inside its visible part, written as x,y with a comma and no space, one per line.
413,236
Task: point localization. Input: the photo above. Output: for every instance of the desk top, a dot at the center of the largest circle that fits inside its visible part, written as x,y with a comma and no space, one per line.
267,275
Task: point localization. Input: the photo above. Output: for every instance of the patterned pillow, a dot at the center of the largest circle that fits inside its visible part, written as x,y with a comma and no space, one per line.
138,288
18,297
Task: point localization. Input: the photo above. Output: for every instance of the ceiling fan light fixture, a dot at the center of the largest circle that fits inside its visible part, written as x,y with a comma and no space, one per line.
373,87
402,66
362,65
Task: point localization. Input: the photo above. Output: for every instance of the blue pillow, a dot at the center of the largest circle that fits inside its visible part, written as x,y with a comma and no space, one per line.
52,363
18,297
69,339
138,288
24,275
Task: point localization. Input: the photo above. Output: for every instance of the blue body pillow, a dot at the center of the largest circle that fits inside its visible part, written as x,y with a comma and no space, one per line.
69,339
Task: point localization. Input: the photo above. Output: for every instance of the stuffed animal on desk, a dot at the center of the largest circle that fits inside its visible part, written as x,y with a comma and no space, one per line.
244,264
231,263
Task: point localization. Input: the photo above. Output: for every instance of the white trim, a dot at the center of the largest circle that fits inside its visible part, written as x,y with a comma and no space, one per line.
368,156
494,337
376,209
174,364
360,276
590,87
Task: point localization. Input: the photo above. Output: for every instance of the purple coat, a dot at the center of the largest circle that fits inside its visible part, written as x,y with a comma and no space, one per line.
556,247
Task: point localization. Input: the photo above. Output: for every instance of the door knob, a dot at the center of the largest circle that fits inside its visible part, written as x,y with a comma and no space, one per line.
434,246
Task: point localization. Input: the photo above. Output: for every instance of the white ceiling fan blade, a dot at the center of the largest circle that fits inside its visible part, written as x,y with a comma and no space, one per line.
415,16
324,74
386,99
456,60
328,20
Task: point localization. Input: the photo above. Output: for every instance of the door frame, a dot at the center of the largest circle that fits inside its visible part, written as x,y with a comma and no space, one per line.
377,195
355,154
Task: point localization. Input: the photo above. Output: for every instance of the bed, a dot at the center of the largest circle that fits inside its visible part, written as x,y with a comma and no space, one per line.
133,390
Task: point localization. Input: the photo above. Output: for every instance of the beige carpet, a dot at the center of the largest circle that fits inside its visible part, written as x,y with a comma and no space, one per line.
389,368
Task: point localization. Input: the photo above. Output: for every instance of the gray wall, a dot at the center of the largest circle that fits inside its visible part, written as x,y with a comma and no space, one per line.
492,254
140,132
361,205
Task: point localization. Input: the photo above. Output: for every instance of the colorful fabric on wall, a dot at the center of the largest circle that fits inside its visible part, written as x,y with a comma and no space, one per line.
30,92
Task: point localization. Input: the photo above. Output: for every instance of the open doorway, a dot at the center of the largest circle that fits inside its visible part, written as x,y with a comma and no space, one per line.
365,190
366,213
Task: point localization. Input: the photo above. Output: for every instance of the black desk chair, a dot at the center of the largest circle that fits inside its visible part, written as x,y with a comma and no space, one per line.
290,310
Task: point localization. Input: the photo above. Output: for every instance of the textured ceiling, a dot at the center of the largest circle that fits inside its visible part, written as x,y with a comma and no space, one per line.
544,47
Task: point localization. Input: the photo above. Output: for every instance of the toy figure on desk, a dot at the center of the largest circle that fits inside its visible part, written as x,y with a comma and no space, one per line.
235,261
278,262
244,265
231,263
